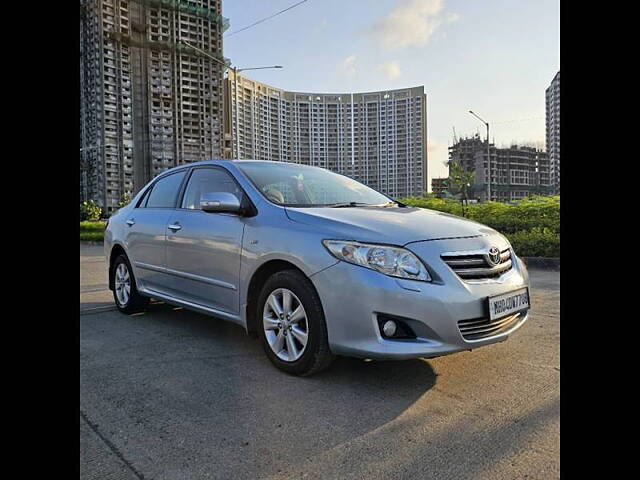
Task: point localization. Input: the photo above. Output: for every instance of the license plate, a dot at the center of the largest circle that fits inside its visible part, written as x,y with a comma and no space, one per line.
508,303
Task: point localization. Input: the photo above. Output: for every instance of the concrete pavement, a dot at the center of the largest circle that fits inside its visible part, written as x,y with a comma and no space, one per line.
171,394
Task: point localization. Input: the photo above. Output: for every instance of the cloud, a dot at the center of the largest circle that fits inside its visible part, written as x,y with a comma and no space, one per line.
411,23
390,69
347,66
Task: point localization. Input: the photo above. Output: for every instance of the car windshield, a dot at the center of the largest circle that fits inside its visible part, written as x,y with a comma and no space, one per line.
294,185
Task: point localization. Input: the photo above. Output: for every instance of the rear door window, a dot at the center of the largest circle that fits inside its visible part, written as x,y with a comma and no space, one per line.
165,191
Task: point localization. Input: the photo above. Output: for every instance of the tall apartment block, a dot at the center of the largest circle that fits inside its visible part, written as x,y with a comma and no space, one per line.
148,101
377,138
516,172
553,131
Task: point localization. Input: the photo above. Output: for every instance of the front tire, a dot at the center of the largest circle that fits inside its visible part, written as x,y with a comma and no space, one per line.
126,295
291,324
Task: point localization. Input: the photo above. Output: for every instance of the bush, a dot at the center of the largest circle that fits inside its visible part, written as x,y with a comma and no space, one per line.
91,226
538,242
90,211
91,236
125,200
91,231
531,224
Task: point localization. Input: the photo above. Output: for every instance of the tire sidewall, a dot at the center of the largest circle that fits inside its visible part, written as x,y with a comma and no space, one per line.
132,303
302,288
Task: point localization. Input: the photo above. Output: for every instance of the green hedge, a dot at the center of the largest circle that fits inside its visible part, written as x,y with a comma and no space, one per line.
532,225
91,231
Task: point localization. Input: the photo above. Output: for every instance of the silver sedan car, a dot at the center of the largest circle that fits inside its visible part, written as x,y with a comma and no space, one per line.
314,263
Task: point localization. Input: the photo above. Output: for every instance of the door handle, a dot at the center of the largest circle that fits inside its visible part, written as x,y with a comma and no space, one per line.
131,221
175,228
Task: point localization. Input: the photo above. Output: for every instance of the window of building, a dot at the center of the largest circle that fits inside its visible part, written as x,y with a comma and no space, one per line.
519,177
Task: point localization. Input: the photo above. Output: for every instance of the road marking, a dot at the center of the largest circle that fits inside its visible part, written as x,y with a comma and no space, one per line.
116,451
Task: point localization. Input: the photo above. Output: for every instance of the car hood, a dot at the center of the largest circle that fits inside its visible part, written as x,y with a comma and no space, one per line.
393,225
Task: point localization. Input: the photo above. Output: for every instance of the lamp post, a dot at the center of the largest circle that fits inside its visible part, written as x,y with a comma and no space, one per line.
236,70
488,155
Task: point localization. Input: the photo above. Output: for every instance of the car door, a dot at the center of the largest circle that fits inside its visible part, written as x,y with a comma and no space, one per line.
147,231
204,248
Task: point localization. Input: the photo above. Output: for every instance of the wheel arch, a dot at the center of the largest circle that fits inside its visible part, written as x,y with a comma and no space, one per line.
258,279
116,250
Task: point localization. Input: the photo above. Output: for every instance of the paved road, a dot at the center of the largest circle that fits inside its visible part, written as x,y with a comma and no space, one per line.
171,394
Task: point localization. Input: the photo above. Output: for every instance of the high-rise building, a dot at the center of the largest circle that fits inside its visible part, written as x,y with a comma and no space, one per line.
516,172
377,138
553,131
148,101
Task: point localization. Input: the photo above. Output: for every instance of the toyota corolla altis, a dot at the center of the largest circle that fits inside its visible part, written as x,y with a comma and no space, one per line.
314,263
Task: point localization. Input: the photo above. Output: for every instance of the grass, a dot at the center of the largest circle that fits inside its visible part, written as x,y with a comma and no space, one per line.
92,231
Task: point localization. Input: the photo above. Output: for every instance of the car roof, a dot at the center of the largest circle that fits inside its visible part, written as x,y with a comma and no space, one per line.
222,161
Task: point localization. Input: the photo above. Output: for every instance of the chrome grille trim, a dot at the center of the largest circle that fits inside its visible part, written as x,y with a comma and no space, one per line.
466,262
475,265
481,328
483,272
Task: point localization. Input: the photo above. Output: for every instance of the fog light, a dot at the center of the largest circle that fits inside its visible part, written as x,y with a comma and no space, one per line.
389,328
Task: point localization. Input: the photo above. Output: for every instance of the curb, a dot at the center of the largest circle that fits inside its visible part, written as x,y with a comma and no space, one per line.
90,242
546,263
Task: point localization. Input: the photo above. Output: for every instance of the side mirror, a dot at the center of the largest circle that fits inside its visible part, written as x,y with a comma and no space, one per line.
220,202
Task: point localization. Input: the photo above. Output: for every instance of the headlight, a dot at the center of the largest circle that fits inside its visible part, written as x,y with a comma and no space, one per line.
392,261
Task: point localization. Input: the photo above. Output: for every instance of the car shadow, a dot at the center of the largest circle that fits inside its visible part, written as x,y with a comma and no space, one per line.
193,387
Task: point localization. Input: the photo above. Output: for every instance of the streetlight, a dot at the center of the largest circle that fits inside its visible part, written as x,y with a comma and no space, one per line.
488,155
236,70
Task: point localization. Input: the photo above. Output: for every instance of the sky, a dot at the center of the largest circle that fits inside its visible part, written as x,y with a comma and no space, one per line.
495,57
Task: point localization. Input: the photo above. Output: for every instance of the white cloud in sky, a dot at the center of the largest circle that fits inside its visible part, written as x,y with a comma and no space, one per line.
390,69
347,66
411,23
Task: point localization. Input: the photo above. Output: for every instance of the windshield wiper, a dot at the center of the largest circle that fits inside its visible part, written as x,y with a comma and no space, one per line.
349,204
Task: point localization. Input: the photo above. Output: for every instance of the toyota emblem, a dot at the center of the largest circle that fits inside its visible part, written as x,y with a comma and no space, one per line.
494,256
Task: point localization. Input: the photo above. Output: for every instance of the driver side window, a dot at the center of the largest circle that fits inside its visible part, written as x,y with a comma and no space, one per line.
208,180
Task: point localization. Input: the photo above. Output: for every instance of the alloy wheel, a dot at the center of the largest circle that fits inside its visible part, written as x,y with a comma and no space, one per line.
123,284
285,324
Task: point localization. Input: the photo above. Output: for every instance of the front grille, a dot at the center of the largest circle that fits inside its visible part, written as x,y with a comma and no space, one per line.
477,266
478,328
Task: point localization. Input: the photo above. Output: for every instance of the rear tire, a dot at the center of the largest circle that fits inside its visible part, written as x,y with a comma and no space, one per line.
125,294
295,337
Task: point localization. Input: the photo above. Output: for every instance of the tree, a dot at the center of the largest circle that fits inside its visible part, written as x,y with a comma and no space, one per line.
90,211
461,180
125,200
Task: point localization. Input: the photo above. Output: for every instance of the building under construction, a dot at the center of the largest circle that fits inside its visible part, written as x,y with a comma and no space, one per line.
439,187
148,100
516,172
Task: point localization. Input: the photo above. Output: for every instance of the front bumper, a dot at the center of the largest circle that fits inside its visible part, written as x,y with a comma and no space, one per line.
354,296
